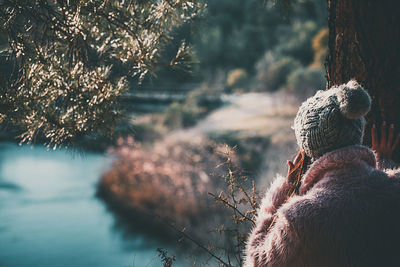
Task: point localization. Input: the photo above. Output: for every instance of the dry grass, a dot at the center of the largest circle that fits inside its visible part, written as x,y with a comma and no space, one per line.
171,180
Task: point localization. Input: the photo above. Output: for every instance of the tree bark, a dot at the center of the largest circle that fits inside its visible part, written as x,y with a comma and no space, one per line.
364,44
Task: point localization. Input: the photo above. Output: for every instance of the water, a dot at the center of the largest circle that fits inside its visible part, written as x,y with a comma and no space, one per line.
49,215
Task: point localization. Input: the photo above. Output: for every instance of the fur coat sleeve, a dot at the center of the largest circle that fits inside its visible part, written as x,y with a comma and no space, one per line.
267,248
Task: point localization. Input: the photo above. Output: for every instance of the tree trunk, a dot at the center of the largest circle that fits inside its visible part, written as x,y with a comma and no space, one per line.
364,44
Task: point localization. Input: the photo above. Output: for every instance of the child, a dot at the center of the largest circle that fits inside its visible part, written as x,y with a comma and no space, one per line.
335,208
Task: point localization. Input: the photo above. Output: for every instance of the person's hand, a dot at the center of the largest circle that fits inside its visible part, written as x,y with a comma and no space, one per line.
292,173
385,147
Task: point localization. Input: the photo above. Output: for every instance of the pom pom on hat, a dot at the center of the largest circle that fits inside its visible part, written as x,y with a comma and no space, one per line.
354,101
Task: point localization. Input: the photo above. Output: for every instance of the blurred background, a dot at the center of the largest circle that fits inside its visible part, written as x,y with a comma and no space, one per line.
151,195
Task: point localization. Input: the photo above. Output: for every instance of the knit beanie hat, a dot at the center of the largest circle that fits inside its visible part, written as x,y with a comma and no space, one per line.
332,119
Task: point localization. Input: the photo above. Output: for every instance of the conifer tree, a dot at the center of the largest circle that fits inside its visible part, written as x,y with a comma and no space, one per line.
64,63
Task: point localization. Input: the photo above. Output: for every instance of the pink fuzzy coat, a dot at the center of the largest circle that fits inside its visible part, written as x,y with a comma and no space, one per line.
347,214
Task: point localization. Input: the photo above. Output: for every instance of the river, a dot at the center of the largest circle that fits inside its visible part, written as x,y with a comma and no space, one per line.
50,216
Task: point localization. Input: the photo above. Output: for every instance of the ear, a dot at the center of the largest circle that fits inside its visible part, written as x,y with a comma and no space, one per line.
354,101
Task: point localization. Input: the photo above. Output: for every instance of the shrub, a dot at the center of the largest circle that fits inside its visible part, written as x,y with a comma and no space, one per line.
205,100
197,104
306,81
173,181
178,116
320,47
170,180
236,78
248,148
295,41
272,71
146,132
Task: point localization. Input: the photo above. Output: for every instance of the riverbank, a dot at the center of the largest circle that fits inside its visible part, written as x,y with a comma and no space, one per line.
172,178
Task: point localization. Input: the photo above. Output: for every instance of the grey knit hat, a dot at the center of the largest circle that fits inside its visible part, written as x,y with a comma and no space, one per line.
332,119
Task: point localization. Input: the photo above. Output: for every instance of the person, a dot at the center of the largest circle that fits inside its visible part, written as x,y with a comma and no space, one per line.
340,202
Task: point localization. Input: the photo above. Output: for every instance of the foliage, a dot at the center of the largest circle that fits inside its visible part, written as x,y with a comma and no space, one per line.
320,47
296,41
272,71
306,81
242,199
283,67
177,116
169,180
236,78
248,148
237,33
69,54
197,105
67,60
146,132
174,180
166,260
